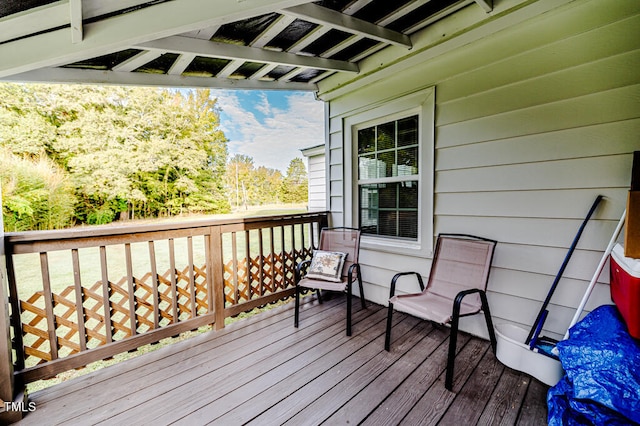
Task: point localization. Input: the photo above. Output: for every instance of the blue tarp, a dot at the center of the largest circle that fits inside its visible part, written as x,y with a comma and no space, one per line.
601,385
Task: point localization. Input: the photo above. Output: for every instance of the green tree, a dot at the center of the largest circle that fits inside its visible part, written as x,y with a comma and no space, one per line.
248,185
24,129
137,151
294,184
159,151
267,182
239,180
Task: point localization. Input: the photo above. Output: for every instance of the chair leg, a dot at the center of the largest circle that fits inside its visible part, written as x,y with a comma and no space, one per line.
296,315
487,317
319,296
349,309
387,337
364,306
453,340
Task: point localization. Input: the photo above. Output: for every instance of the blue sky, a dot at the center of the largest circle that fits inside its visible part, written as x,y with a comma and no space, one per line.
270,126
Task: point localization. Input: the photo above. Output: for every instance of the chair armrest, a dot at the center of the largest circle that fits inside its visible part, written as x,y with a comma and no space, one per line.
352,268
462,294
304,264
395,278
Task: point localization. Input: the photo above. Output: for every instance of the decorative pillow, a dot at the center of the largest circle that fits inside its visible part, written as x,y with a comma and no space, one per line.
327,265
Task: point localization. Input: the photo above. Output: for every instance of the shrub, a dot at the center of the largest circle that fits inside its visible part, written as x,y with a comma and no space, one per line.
36,194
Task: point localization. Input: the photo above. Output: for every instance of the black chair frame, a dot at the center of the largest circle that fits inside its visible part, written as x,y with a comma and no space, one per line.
355,267
453,337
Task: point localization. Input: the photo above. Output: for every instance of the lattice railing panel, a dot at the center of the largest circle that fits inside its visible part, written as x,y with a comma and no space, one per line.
35,330
34,318
202,295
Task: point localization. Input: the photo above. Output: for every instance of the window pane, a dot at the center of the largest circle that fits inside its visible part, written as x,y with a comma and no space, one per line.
407,161
388,225
390,209
367,167
387,196
369,221
408,195
366,140
369,197
408,131
369,209
386,163
408,224
387,136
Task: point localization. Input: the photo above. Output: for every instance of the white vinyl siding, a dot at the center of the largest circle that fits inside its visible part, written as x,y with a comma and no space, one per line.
317,178
532,123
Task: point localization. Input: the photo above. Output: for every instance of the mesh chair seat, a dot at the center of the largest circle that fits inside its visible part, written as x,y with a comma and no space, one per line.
430,306
323,285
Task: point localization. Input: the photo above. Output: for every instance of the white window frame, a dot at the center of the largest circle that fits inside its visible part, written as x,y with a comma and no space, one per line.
421,103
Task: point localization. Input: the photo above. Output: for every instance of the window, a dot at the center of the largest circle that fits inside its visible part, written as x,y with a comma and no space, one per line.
389,190
388,178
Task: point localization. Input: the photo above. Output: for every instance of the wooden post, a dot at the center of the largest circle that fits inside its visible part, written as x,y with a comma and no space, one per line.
8,391
217,276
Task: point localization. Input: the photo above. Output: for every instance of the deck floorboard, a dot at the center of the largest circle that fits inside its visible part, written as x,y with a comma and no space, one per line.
263,371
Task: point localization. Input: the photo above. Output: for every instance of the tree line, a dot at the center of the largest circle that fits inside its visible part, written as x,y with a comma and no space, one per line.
91,155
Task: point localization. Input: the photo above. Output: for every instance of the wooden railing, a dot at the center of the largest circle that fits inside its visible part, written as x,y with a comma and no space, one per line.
82,295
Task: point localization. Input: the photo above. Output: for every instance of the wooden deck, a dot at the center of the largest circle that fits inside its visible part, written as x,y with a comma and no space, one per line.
263,371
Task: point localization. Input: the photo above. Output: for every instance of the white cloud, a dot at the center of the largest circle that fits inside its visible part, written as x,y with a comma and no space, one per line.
263,106
276,139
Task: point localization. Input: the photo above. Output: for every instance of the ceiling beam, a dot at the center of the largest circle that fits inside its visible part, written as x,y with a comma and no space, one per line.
178,44
451,9
308,39
403,11
262,72
56,15
204,33
121,31
75,16
323,16
321,77
71,75
230,68
185,59
181,64
341,46
487,5
137,61
291,74
279,25
356,6
34,20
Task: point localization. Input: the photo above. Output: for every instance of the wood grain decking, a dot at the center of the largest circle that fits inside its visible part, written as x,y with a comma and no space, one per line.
263,371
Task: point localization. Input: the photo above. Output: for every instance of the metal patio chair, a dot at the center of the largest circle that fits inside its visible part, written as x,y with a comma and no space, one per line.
456,287
340,239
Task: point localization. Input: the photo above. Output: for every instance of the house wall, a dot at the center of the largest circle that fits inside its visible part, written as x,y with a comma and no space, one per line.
316,173
532,122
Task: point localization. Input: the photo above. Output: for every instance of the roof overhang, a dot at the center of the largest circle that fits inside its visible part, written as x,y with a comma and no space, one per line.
244,44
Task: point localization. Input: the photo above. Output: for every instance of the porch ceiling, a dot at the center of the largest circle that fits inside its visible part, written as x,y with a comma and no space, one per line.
255,44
